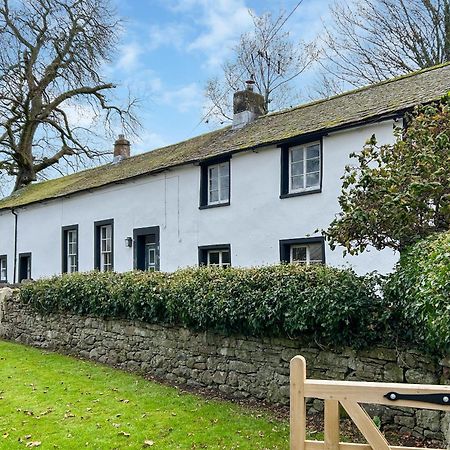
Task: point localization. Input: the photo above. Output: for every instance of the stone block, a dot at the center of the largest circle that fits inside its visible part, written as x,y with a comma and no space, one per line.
429,420
393,373
420,376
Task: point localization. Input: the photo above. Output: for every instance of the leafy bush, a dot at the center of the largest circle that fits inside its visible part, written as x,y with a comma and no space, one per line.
331,306
421,288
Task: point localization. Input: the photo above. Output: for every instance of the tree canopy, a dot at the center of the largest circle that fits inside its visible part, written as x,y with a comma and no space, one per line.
398,194
51,55
367,41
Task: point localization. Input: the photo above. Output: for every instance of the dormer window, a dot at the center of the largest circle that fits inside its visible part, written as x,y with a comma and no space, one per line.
215,184
301,169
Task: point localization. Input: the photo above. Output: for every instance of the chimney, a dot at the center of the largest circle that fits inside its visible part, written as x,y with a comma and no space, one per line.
121,149
247,106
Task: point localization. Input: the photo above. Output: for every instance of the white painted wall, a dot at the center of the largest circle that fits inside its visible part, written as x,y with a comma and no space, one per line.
253,223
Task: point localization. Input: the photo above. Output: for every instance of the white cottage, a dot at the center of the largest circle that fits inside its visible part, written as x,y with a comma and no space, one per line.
246,195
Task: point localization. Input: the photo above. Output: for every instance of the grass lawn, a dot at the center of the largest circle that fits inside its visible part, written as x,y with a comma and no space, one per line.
65,403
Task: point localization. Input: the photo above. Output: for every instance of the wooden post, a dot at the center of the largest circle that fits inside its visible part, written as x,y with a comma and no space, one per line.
297,403
331,428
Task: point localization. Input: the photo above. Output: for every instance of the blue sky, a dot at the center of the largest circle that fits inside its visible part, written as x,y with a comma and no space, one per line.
170,48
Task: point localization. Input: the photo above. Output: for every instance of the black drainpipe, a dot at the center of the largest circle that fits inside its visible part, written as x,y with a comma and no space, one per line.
15,245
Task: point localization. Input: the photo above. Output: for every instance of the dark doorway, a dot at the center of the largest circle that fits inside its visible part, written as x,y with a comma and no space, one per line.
24,266
146,248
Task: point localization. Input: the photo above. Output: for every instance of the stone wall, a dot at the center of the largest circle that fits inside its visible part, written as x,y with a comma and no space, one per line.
240,367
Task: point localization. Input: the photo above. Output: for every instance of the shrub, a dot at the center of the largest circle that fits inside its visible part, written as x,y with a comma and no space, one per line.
331,306
421,287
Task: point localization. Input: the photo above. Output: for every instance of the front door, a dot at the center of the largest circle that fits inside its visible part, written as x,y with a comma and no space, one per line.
24,267
146,248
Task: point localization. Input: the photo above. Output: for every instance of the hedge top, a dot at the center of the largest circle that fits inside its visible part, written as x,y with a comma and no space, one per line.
351,108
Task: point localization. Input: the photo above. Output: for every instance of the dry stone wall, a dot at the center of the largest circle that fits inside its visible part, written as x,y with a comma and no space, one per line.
238,366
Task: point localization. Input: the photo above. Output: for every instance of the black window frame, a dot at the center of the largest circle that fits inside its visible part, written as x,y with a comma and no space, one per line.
5,258
204,249
20,257
137,232
204,166
285,247
97,225
64,233
284,166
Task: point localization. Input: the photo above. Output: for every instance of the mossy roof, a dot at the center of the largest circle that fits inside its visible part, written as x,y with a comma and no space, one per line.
350,108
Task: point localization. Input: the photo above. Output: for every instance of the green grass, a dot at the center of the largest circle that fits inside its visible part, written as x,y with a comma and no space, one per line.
66,403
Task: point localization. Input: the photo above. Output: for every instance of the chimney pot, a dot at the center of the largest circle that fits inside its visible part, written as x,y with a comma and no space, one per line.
250,84
121,148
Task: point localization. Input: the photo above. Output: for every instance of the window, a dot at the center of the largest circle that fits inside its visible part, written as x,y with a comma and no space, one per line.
215,184
3,269
301,167
104,245
70,249
146,248
303,251
219,183
215,255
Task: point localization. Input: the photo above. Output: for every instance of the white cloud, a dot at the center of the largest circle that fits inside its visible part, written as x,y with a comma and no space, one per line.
129,56
184,99
221,23
80,115
171,34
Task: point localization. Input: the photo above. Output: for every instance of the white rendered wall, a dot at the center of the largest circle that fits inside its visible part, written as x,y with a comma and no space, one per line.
253,223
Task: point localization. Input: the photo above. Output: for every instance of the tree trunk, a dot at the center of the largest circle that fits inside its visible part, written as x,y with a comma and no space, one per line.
24,177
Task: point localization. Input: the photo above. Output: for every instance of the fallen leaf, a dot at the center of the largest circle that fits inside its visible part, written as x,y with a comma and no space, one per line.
33,444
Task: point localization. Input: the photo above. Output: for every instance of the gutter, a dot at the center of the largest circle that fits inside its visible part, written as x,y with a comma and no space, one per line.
15,245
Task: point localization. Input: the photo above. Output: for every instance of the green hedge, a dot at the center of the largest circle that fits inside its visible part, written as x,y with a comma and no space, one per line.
328,305
421,288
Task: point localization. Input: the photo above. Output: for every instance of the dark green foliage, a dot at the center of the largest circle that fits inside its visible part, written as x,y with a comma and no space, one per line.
328,305
421,287
395,195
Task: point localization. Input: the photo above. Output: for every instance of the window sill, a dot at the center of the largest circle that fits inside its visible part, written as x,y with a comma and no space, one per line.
216,205
297,194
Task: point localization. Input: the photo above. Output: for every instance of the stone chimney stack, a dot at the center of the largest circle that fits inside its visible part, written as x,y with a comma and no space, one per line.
247,106
121,148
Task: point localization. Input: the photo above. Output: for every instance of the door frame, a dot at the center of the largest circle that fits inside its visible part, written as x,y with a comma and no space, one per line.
21,257
137,232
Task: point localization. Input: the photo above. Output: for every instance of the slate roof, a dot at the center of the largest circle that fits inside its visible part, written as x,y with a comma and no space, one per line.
348,109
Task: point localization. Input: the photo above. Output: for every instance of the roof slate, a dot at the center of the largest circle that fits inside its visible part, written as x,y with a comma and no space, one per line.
347,109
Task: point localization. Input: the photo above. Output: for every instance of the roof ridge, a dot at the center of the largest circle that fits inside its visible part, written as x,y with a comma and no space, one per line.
359,89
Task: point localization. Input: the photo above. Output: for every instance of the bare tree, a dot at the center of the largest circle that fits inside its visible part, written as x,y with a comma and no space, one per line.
269,57
371,40
51,54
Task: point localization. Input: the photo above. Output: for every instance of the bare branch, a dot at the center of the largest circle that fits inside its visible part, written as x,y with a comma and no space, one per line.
51,52
369,41
269,57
